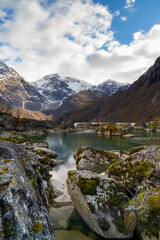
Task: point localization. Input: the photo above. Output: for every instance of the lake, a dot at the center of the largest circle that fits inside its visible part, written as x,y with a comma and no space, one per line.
67,223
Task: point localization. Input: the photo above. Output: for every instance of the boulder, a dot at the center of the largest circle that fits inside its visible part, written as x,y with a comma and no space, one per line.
56,162
101,203
114,130
59,194
23,203
45,151
134,175
92,159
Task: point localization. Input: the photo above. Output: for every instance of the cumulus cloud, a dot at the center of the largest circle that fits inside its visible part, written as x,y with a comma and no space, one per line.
71,38
123,18
116,13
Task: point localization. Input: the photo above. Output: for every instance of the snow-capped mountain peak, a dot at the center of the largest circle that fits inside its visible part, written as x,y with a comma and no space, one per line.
56,88
109,87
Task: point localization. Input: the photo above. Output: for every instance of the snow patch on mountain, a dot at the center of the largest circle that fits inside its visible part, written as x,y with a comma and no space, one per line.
77,85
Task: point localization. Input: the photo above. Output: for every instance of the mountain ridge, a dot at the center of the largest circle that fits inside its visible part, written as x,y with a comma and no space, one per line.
140,102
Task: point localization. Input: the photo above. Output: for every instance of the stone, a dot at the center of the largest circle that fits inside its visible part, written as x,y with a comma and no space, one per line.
63,200
118,129
56,162
23,204
59,194
45,151
58,188
100,201
92,159
137,171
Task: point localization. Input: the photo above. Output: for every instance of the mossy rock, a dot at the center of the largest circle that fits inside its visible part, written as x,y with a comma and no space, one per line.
71,174
131,174
88,186
135,150
45,160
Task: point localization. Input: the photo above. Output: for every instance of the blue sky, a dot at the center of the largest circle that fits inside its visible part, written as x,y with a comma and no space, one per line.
143,15
93,40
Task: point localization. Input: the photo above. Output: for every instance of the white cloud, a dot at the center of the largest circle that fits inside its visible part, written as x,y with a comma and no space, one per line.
72,38
130,3
123,18
127,62
116,13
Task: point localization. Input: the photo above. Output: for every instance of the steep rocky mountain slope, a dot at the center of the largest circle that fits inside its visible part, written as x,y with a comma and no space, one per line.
109,87
82,106
17,91
140,102
56,89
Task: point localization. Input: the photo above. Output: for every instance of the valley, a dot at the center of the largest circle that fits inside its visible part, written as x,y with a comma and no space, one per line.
107,141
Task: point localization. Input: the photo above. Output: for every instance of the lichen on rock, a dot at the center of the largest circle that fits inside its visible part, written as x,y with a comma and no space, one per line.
101,203
23,203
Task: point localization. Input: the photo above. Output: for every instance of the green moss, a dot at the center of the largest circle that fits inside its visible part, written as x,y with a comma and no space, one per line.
130,173
126,223
135,150
2,188
37,227
88,186
24,161
153,203
149,173
129,159
14,140
111,156
114,192
31,179
40,153
112,165
71,174
7,160
95,152
5,169
45,160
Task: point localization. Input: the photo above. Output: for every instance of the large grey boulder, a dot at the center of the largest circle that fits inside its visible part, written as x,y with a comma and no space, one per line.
101,203
92,159
23,203
135,173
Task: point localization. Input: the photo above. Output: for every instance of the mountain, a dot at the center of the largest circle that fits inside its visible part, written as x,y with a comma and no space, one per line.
82,106
109,87
140,102
56,89
17,91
